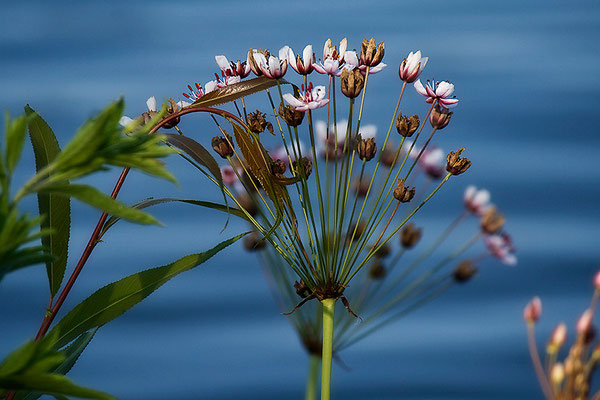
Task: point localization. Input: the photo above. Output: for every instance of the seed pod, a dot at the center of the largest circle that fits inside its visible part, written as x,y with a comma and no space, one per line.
278,167
402,193
173,108
456,165
410,235
377,270
306,166
222,146
371,53
383,251
492,221
290,115
258,123
366,149
352,82
464,271
406,126
440,117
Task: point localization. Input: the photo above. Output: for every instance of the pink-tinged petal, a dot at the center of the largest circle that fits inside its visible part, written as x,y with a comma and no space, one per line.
430,90
292,101
429,100
304,107
273,66
247,69
423,63
326,48
183,103
259,58
481,198
222,62
470,192
420,88
342,49
444,89
351,59
318,93
377,68
125,120
284,53
448,103
510,260
151,103
319,68
307,56
210,86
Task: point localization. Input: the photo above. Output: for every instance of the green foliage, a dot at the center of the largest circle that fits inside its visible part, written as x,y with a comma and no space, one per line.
33,368
56,207
114,299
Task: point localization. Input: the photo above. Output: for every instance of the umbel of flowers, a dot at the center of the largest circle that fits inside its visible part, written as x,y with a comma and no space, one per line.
298,194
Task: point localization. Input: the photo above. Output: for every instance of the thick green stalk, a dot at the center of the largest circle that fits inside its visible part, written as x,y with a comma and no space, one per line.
313,376
328,309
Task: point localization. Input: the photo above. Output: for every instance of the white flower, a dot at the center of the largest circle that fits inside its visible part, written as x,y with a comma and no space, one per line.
274,67
501,247
309,100
412,66
333,60
150,103
437,91
304,65
240,69
352,61
433,162
477,201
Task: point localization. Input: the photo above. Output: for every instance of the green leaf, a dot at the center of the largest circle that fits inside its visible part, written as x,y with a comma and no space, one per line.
114,299
55,207
95,198
152,202
14,137
197,152
236,91
53,384
18,359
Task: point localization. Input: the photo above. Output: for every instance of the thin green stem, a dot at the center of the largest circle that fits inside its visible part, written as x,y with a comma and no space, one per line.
328,312
313,376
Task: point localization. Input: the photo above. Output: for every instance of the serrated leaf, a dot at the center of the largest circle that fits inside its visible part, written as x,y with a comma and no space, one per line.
236,91
114,299
152,202
14,139
55,207
95,198
53,384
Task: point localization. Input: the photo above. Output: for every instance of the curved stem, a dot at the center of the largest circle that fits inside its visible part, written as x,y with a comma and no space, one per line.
535,358
328,310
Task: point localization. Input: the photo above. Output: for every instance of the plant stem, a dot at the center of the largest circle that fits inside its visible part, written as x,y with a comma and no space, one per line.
313,375
328,310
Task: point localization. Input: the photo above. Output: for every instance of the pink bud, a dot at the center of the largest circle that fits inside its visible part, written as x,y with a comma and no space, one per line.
597,281
533,310
559,335
584,323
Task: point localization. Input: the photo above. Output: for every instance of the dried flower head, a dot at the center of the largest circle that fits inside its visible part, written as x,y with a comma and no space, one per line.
439,117
290,115
303,167
366,149
371,53
377,270
403,193
352,83
406,125
492,221
464,271
223,146
410,235
456,165
258,123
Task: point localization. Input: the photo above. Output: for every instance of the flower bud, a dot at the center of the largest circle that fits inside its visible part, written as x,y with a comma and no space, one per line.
371,53
257,122
557,373
306,166
439,117
222,146
402,193
406,126
377,270
302,289
352,82
559,335
172,109
410,235
456,165
366,149
492,221
464,271
290,115
533,310
254,242
584,323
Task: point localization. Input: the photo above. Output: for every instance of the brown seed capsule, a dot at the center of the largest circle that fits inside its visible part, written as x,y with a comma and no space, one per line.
377,270
464,271
290,115
410,235
278,167
360,229
252,62
352,82
383,251
440,117
366,149
254,242
258,123
222,146
402,193
388,155
456,165
406,126
492,221
371,53
247,203
173,108
302,289
306,165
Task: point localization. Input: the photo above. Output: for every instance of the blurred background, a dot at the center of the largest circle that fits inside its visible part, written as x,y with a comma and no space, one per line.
526,74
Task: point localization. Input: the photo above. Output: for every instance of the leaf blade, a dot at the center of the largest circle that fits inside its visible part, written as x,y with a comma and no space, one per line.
236,91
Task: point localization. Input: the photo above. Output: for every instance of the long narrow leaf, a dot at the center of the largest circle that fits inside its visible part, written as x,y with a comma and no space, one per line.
51,384
55,207
236,91
114,299
197,152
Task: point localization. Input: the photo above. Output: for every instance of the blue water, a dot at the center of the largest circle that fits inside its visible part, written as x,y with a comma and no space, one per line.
527,77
